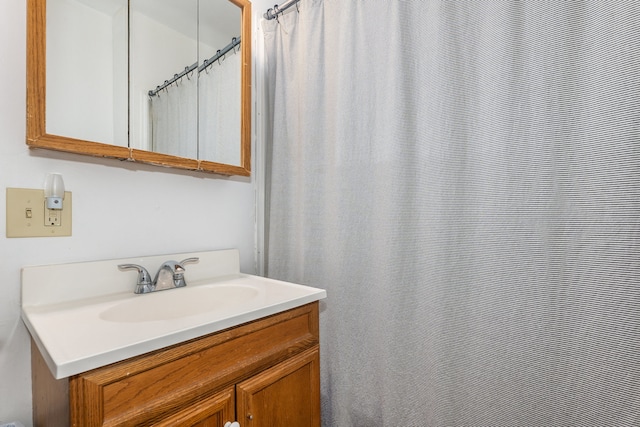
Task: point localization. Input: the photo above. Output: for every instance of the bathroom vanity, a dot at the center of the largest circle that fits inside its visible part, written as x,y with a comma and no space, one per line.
252,358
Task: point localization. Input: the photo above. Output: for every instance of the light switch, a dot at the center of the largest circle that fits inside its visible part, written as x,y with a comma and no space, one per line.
28,216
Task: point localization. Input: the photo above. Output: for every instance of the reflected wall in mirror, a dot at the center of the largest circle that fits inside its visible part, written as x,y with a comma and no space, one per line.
86,73
157,81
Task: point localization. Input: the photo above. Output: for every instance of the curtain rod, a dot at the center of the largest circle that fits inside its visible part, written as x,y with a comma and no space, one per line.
207,62
273,12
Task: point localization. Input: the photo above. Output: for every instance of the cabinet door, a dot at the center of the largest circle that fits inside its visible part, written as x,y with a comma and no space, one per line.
287,394
213,411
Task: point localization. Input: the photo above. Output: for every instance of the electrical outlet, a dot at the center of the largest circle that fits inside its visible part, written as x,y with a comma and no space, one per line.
52,217
28,216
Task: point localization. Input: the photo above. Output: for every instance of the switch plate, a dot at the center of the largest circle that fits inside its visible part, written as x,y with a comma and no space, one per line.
28,216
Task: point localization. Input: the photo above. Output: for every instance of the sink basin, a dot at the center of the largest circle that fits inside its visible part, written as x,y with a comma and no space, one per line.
79,325
179,303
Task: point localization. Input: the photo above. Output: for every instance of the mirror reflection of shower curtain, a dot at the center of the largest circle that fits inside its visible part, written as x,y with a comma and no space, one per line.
219,109
174,120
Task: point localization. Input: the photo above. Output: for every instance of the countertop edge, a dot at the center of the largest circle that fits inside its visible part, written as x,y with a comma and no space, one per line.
68,369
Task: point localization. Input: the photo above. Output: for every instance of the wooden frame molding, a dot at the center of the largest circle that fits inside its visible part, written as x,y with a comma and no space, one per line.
37,137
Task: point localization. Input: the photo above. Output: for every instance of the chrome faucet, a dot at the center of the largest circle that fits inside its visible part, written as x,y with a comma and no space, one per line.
169,276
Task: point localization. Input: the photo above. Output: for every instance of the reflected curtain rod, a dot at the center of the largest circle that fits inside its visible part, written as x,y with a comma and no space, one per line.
273,12
207,62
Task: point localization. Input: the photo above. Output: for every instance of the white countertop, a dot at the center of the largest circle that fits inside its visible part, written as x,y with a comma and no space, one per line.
85,315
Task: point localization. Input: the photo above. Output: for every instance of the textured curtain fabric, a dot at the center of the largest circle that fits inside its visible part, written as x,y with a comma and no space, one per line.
463,178
174,119
199,117
220,111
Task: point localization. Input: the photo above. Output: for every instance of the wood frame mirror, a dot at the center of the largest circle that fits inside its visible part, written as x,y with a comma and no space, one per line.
37,137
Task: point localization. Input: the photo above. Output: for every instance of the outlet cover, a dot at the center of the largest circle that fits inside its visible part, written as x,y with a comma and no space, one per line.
28,216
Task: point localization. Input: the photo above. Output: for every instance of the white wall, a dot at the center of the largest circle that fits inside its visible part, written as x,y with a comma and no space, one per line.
120,209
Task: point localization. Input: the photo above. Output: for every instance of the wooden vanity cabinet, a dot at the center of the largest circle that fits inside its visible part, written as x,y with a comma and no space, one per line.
263,373
213,411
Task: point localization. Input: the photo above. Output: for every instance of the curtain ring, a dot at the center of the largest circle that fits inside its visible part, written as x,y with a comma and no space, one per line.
276,10
218,55
297,6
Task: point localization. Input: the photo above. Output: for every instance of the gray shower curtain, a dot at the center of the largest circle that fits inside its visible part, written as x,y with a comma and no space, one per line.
463,177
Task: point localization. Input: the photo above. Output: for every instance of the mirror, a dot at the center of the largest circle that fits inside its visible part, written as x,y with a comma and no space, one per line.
161,82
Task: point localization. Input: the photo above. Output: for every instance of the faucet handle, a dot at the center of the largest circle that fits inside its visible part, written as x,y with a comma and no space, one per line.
144,283
189,261
178,271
